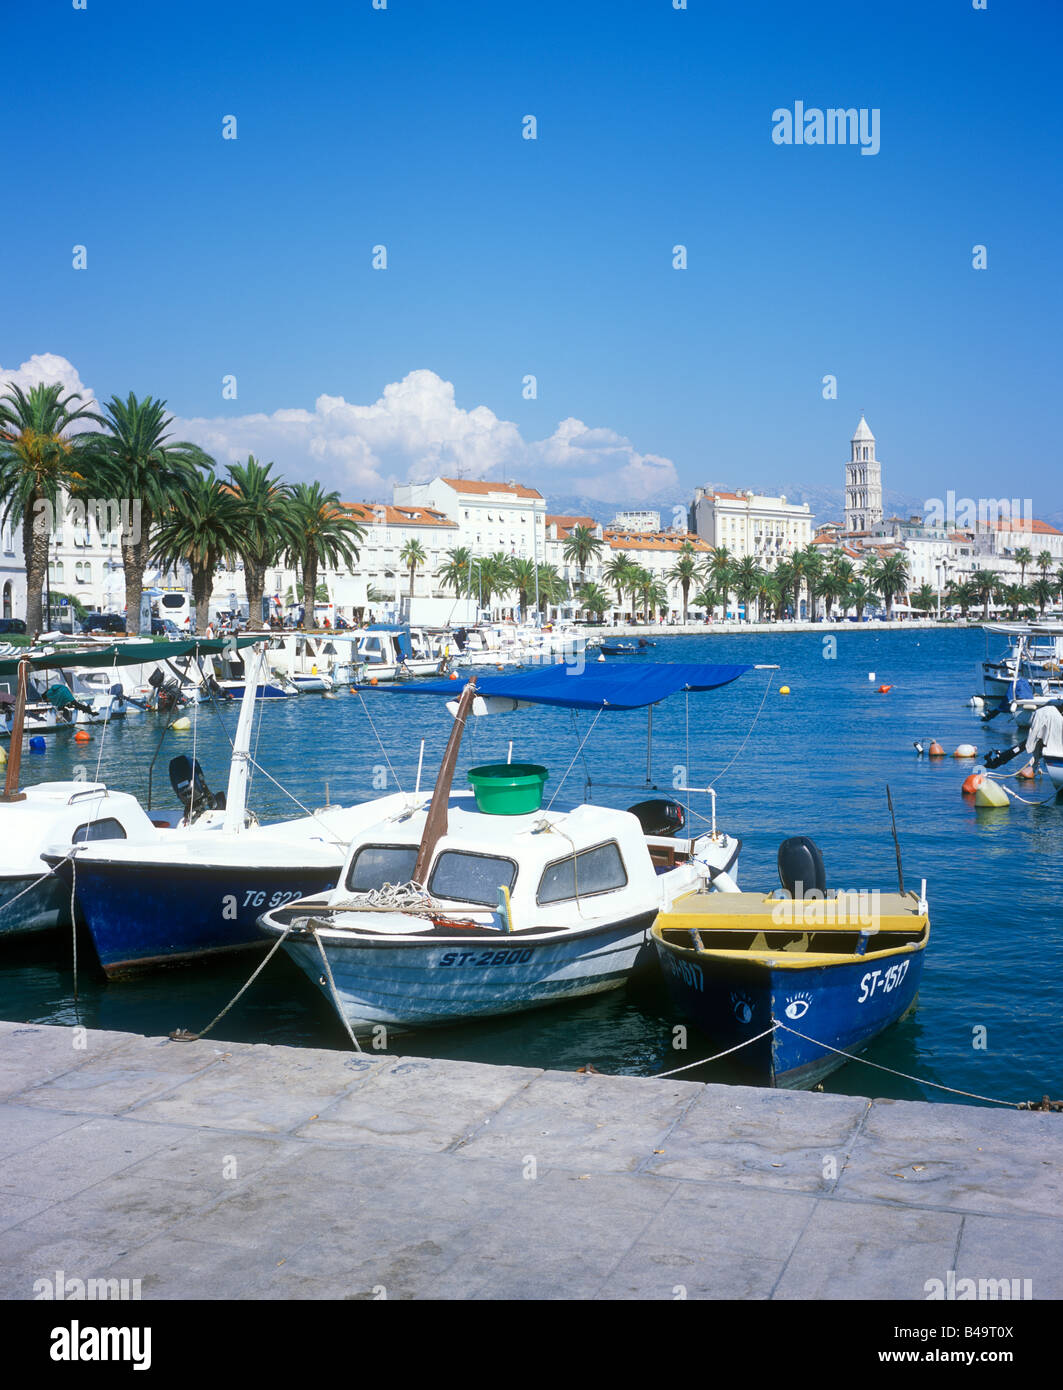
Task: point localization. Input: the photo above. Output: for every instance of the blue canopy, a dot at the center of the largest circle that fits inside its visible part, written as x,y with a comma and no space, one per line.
616,687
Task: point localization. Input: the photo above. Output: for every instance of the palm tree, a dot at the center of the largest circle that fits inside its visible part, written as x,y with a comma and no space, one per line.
924,598
457,574
653,593
412,555
637,580
552,588
495,577
325,534
984,584
266,529
1014,595
685,570
38,460
593,599
720,573
522,576
768,591
617,571
783,574
138,460
891,579
746,581
1042,592
808,564
860,593
1044,563
203,524
581,545
1023,557
962,592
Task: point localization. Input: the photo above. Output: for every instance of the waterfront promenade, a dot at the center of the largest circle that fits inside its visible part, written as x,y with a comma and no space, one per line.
225,1170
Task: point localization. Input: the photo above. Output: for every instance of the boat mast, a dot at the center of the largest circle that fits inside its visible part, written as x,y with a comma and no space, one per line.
236,792
14,761
435,826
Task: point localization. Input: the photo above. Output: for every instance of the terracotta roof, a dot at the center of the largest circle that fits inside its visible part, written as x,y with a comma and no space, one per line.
659,540
1025,524
483,488
385,514
569,523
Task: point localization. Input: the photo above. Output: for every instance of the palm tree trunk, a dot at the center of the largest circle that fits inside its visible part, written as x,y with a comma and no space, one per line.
35,544
255,584
135,562
309,587
202,585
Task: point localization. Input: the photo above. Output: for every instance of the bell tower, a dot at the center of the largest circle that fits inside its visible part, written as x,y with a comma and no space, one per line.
863,481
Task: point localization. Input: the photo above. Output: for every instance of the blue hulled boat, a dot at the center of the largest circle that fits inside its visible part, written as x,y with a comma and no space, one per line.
801,975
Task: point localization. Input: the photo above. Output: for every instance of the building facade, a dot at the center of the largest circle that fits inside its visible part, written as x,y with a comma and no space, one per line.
748,524
863,482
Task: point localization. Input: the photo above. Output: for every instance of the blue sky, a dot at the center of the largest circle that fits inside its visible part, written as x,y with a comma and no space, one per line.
358,127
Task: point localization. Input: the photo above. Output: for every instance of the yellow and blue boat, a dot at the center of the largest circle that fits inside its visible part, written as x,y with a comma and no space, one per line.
807,974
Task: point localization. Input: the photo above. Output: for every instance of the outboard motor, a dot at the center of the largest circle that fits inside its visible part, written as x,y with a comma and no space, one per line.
660,817
801,868
187,780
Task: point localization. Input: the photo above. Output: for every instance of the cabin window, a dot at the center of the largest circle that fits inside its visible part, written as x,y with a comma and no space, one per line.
375,865
471,878
98,830
599,870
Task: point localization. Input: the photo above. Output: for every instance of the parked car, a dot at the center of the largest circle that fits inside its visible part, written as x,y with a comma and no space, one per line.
12,625
103,622
163,627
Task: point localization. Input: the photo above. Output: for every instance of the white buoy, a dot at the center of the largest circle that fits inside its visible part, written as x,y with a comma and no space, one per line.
966,750
975,702
871,675
602,657
990,793
181,725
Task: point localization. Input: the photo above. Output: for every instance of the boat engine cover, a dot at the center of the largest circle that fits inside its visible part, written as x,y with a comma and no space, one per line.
659,817
801,870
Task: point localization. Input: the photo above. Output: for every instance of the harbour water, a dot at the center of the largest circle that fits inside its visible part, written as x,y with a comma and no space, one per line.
814,762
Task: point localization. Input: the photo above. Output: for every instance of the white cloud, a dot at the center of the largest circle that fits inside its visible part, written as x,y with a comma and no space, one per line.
46,368
413,432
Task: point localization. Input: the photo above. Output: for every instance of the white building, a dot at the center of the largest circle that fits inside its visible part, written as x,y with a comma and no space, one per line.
768,528
863,482
637,521
490,517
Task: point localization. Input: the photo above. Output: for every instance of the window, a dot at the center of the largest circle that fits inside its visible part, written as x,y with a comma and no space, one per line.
97,830
375,865
599,870
471,878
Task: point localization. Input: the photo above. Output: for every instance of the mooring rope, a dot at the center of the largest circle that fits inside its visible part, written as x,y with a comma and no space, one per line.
183,1035
332,987
852,1057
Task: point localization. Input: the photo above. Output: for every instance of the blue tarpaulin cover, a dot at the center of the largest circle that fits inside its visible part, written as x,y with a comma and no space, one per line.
618,687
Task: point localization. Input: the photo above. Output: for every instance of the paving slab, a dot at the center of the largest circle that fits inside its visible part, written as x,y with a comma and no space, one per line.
264,1089
33,1053
762,1138
965,1157
419,1104
593,1122
66,1164
109,1081
855,1251
22,1127
1012,1249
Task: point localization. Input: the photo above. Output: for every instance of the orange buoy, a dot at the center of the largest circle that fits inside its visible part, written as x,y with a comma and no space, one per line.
972,783
453,676
1027,774
935,750
884,689
82,736
372,680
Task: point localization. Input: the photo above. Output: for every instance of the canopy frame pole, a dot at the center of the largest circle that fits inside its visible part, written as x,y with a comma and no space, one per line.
14,761
435,825
649,743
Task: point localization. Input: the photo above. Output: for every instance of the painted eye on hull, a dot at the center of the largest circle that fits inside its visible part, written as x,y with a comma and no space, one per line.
797,1008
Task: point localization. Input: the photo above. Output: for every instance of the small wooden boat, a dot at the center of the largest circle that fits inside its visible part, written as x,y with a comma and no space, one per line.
811,973
619,648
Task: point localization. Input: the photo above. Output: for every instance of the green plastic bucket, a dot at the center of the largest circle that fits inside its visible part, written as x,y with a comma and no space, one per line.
508,789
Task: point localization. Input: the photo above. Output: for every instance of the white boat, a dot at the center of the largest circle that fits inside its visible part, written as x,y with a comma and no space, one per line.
58,815
1030,668
501,908
181,896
